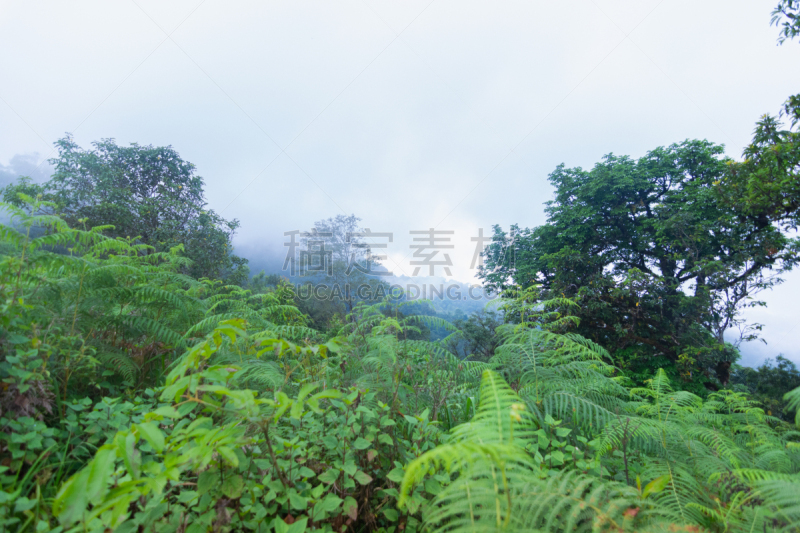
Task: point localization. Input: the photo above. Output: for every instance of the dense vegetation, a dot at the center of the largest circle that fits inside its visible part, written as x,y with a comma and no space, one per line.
628,238
138,191
148,385
768,383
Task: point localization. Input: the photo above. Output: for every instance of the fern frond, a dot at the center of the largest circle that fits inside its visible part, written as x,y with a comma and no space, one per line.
431,321
149,326
782,496
793,402
120,364
500,417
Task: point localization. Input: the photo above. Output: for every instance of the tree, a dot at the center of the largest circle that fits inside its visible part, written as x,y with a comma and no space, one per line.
769,383
336,252
479,339
262,282
143,191
765,185
659,266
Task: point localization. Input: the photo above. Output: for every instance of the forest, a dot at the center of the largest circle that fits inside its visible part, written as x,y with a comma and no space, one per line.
150,382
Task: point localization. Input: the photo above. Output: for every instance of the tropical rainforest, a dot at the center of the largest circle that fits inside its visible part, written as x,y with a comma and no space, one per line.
149,383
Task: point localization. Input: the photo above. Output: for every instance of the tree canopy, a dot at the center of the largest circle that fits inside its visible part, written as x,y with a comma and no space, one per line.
145,192
661,268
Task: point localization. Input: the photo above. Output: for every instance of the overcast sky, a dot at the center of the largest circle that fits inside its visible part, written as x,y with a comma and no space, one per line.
411,114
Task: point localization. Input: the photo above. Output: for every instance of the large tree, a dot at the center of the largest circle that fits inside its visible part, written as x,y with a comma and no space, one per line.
337,255
660,267
146,192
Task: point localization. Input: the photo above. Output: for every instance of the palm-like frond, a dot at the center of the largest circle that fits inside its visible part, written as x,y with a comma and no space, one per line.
793,399
501,415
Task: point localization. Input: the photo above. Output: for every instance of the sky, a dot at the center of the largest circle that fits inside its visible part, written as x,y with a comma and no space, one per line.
413,115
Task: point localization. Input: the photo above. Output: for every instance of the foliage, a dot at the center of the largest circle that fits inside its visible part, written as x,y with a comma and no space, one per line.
769,383
570,448
261,281
145,192
478,340
248,457
91,329
137,398
658,266
764,186
786,16
134,397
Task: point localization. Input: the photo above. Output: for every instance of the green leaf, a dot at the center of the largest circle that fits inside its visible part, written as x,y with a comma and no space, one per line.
187,496
363,478
557,456
305,390
153,435
167,411
197,527
17,339
432,487
283,527
297,409
229,455
23,504
317,491
72,499
361,444
350,468
232,486
284,402
543,441
297,502
328,504
656,486
396,475
391,515
99,473
329,476
393,493
206,480
306,472
350,507
125,445
385,439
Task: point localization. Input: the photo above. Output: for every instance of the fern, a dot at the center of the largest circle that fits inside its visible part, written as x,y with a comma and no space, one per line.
500,417
793,399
